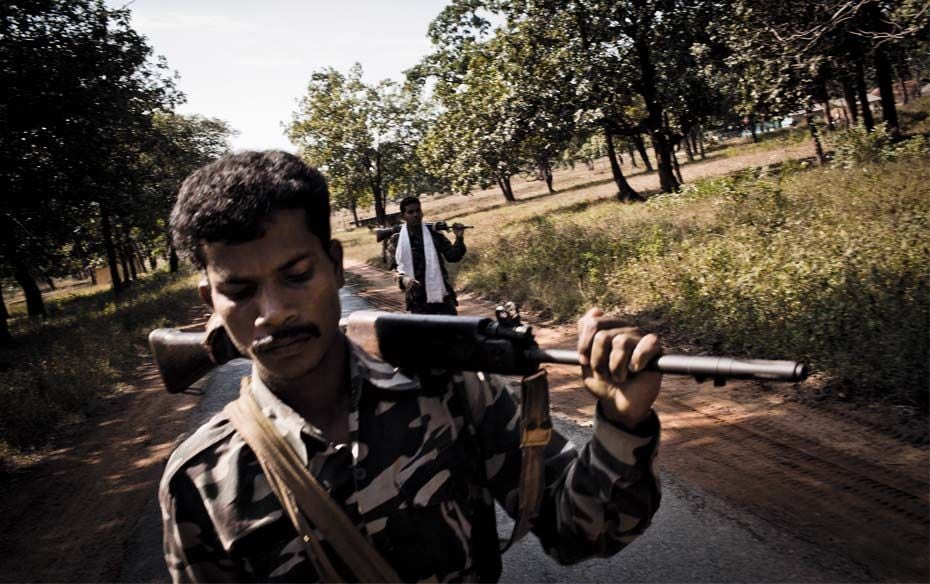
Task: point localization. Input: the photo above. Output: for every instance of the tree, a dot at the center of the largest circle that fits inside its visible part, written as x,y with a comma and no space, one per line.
183,144
831,38
505,101
79,85
624,67
362,136
473,141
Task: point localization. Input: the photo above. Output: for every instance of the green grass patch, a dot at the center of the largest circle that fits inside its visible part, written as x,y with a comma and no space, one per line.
829,266
84,349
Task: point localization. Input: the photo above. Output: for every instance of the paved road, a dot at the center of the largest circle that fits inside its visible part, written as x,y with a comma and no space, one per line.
695,536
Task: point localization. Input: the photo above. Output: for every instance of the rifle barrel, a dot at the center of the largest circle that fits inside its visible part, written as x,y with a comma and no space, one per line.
697,365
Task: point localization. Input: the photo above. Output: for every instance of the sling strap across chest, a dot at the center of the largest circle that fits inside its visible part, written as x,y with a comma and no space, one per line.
307,504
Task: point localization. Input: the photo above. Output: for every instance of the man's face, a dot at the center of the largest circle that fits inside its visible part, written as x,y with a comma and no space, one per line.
413,215
277,295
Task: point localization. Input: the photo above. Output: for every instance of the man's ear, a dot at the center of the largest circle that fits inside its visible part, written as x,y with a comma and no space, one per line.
205,293
335,254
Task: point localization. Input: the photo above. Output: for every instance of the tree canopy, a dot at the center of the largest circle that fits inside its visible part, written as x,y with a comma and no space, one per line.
89,145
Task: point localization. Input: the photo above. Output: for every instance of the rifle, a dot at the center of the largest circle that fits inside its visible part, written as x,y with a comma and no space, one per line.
460,343
383,233
501,345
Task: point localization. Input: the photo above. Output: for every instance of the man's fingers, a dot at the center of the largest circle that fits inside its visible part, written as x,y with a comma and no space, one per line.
587,326
620,355
600,354
646,350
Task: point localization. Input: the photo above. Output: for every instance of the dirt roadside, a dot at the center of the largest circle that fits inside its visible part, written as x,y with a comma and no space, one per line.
829,479
68,517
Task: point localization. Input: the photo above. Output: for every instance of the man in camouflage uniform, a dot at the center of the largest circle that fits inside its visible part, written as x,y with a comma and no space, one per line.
413,283
391,449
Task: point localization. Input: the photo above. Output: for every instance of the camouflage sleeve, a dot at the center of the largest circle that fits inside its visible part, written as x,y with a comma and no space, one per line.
596,501
452,252
192,548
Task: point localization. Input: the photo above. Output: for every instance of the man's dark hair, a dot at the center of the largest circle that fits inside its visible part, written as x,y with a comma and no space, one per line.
407,201
227,200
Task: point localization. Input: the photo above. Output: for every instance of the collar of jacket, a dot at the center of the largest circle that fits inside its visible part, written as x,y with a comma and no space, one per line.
363,369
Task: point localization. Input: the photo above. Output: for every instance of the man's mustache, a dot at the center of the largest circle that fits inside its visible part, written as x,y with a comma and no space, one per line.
268,342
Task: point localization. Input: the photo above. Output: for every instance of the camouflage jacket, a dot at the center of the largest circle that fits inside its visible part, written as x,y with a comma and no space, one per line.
412,478
447,252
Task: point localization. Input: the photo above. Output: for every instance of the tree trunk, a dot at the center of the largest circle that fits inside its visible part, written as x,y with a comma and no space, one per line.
624,191
545,169
153,262
663,152
503,181
125,265
93,276
48,280
850,95
886,87
117,283
752,129
174,262
902,73
130,262
700,136
6,339
354,209
125,257
631,151
688,151
379,204
863,96
641,148
35,306
677,168
655,121
821,157
828,116
140,257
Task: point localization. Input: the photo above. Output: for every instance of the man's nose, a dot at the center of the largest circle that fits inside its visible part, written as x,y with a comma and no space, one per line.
275,309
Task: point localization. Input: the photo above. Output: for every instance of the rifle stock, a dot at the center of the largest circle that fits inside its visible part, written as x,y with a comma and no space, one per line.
445,342
181,357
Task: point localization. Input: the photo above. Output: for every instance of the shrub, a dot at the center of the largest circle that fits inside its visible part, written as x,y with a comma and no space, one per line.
857,146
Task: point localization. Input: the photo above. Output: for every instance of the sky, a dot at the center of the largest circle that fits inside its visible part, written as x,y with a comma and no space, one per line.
248,62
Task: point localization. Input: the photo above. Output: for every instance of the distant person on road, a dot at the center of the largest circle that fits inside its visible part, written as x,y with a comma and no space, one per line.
411,462
419,255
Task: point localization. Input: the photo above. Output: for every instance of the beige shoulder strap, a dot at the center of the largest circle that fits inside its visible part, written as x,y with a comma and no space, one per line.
535,433
304,500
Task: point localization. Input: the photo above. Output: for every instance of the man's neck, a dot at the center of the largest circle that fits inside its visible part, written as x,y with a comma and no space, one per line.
322,396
